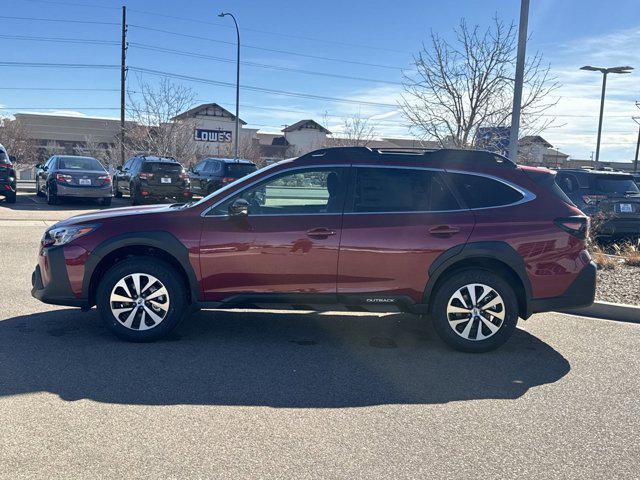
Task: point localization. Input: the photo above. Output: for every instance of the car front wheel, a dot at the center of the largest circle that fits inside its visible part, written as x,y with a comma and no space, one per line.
141,299
475,311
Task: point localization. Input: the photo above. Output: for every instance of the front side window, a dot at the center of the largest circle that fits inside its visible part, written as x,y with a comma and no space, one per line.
299,192
379,190
483,192
213,166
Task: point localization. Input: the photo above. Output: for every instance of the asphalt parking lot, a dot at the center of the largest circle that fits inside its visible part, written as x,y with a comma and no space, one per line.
276,394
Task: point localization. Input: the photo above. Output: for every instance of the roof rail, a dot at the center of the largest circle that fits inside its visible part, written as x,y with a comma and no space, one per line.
447,156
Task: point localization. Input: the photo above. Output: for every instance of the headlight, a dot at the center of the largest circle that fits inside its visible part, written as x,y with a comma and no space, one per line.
63,235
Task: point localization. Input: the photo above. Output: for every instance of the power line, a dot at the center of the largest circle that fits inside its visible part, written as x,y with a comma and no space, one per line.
60,39
260,89
58,20
184,53
254,47
266,32
52,89
203,22
57,65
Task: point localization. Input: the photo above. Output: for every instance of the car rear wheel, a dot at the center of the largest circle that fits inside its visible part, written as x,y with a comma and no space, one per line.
117,193
141,299
11,197
475,311
106,201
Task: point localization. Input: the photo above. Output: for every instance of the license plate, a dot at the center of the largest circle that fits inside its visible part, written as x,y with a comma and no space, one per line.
165,180
84,181
625,208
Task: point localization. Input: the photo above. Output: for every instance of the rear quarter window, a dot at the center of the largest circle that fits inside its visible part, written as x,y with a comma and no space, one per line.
483,192
238,170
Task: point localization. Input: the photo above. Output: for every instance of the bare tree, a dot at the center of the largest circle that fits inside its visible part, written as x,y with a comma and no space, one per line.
462,85
154,128
15,138
356,131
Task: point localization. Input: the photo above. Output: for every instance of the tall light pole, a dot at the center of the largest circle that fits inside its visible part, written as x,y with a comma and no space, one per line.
517,89
605,72
237,143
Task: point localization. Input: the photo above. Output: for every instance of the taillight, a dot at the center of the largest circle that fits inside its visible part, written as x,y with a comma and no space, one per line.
145,175
106,179
63,178
228,180
593,199
184,175
577,226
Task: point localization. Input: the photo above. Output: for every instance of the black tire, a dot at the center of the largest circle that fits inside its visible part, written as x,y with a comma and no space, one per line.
177,299
508,308
11,197
52,198
39,192
106,201
134,196
117,193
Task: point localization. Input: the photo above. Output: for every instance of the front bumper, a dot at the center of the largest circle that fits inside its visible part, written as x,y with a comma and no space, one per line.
84,192
581,293
50,281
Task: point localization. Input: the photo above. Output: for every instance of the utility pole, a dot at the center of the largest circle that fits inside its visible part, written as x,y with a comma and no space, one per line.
517,90
237,143
123,76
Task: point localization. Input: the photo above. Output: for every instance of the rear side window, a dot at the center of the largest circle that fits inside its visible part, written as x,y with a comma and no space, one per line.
237,170
161,167
484,192
400,190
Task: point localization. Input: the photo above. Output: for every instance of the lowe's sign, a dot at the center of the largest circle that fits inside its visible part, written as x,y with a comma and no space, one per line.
219,136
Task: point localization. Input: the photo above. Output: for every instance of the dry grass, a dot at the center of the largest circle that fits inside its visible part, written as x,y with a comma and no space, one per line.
630,252
605,262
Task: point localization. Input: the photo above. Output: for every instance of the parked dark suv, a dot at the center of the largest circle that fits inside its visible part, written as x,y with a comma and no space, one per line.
211,174
465,236
148,178
8,187
611,199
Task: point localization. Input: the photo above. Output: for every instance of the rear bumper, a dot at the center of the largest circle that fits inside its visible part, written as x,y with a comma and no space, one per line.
7,186
163,191
84,192
619,226
581,293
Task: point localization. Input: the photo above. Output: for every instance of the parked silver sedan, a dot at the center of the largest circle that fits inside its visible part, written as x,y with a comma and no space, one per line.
73,176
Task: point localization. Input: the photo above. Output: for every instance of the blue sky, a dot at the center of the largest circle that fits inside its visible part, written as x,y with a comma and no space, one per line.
374,39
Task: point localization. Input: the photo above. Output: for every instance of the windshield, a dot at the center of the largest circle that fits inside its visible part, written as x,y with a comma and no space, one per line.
616,185
237,170
232,185
79,163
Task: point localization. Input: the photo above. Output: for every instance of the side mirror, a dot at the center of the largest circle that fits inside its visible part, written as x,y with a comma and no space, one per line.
12,158
38,165
239,208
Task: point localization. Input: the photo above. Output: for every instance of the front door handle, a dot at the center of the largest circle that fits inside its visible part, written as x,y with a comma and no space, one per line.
443,230
320,233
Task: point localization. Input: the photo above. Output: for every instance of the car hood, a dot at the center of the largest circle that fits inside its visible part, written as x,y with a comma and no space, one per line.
116,213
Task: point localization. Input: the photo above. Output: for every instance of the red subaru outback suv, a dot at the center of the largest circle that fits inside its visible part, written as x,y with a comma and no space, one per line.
467,237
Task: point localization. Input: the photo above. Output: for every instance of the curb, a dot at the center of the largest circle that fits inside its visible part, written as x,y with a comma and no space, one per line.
610,311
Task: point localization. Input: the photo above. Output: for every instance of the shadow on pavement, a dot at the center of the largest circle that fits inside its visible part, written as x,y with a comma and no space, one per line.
292,360
31,202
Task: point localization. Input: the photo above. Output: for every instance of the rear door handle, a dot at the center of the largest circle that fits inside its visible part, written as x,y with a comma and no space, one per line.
320,233
443,230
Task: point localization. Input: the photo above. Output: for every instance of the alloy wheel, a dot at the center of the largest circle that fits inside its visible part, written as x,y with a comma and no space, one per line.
139,301
475,312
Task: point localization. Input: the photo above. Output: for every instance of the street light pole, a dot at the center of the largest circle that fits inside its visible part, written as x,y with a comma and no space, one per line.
237,142
605,72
